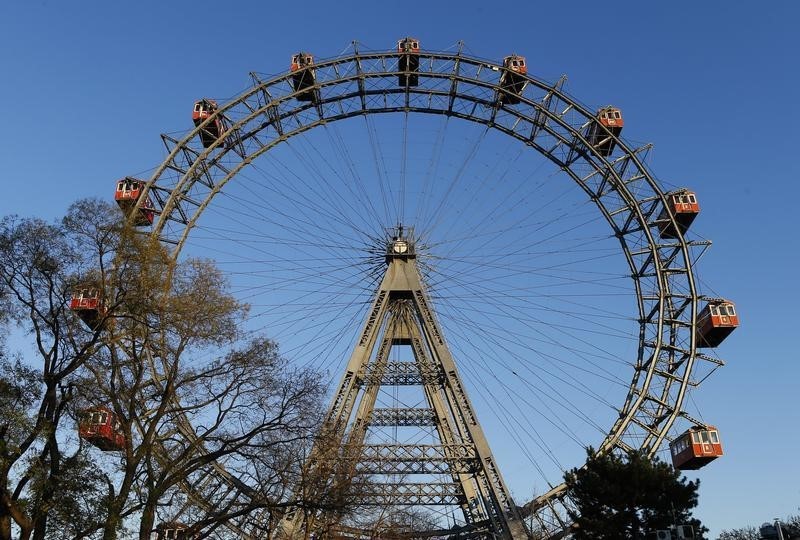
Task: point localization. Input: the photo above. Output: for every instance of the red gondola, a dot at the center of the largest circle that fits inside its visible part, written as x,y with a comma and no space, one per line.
408,64
100,427
715,322
684,207
695,448
88,305
608,118
127,194
512,81
304,77
173,531
204,109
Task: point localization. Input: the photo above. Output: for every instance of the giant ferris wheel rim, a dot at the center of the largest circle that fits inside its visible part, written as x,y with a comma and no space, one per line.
194,164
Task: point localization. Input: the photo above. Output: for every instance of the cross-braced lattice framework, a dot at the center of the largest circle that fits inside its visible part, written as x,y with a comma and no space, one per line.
548,121
401,314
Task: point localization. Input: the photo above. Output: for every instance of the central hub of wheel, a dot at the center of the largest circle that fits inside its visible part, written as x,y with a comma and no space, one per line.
400,244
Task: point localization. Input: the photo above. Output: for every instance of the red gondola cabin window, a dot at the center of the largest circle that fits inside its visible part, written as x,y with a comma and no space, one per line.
408,45
128,189
408,63
608,120
304,77
696,448
512,80
610,117
173,531
715,322
204,109
85,298
685,202
301,60
100,427
87,304
127,194
516,64
683,207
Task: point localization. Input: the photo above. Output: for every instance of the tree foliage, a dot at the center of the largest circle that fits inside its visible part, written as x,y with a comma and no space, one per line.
168,357
790,527
745,533
629,497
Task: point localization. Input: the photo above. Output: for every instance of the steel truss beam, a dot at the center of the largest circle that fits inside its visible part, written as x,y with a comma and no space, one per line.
412,494
548,121
415,459
402,417
402,374
401,313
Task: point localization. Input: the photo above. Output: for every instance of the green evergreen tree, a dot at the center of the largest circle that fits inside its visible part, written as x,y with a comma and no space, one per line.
629,497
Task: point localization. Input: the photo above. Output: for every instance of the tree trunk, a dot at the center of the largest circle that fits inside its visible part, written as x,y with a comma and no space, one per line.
11,510
5,515
5,526
112,521
40,527
148,520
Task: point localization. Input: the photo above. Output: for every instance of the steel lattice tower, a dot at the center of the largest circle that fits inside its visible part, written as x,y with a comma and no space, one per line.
401,314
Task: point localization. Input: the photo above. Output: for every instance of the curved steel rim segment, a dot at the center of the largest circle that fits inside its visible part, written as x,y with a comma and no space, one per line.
548,121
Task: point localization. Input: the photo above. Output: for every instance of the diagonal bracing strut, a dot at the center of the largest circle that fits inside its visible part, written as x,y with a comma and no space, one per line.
401,314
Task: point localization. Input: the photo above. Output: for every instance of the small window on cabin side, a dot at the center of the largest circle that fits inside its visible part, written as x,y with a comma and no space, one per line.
731,312
704,435
696,438
617,115
692,199
714,437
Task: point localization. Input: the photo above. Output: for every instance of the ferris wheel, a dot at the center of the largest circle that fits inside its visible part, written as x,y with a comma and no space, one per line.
558,272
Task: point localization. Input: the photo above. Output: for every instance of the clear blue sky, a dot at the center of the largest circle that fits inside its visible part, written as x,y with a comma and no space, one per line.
87,87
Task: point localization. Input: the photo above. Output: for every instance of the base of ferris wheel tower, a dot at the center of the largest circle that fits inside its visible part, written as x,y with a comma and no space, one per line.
401,314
